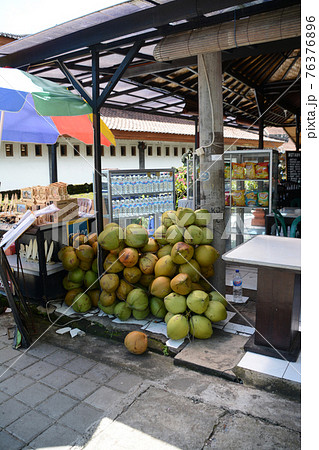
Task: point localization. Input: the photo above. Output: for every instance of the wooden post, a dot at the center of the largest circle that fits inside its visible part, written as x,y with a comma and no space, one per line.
212,184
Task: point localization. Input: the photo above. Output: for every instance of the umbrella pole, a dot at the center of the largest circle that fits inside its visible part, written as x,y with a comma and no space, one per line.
1,125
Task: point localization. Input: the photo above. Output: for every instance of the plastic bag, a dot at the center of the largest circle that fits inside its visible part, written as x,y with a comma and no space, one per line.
238,171
227,171
239,197
263,198
262,171
251,198
250,170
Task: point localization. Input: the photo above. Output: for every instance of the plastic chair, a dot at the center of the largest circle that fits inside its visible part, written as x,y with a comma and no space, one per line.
294,232
279,223
296,202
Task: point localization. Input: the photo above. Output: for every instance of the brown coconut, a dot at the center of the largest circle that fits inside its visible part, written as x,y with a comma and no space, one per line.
182,284
136,342
129,256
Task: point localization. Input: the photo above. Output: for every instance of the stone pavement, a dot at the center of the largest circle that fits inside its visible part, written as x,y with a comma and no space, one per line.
91,393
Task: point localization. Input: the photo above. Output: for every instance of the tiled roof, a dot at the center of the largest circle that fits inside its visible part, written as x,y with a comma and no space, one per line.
117,119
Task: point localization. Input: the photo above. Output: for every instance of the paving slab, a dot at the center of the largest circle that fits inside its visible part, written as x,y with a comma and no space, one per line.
57,436
34,394
59,378
238,431
57,405
9,442
158,416
29,425
81,417
80,388
79,365
107,400
11,410
125,382
15,384
38,370
218,355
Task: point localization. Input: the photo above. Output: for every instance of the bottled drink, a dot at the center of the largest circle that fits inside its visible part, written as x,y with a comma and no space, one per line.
237,286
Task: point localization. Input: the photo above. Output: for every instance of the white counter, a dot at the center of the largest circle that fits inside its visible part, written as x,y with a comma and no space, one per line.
268,251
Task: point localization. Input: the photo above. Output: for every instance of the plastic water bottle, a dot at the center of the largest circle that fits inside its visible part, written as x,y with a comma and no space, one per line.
237,287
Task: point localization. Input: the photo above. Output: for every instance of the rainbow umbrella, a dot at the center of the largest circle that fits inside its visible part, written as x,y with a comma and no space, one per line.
37,110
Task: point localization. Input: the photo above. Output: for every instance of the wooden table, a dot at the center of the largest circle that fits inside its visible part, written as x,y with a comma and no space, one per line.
278,260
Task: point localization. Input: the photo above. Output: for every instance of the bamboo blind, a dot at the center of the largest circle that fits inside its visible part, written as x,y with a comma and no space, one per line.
266,27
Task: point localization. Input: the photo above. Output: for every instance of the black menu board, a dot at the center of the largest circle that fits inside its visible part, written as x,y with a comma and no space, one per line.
293,167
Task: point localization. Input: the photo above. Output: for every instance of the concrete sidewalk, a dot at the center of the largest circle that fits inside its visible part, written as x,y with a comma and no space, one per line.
91,393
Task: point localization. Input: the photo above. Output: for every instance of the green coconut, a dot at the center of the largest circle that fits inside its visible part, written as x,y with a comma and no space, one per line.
168,316
207,235
202,217
200,327
206,255
193,235
192,268
175,303
140,315
168,218
174,234
91,280
108,309
111,237
81,303
165,267
215,311
157,307
68,285
136,236
137,299
164,251
214,295
177,327
197,301
160,234
76,275
122,311
185,217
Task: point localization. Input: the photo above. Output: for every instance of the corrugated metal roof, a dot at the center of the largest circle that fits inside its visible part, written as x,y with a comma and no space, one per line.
267,70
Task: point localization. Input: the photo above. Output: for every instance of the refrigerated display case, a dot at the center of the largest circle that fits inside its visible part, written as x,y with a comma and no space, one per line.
142,194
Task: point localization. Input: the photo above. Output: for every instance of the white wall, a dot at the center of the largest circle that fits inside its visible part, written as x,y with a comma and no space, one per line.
23,171
18,172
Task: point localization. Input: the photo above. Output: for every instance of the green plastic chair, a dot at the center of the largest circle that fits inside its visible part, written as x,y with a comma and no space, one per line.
294,232
279,223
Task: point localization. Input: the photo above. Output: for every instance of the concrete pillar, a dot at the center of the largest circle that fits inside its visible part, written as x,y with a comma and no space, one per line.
212,189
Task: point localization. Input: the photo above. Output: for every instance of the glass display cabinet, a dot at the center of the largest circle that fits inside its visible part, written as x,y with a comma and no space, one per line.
250,192
141,194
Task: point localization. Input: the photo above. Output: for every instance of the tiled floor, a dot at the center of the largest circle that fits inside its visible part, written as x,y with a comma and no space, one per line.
272,366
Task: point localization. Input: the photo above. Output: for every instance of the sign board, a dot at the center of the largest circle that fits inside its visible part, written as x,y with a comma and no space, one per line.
79,226
293,160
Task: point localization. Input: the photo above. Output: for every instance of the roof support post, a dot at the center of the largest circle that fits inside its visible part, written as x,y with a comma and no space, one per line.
98,200
53,165
261,109
212,189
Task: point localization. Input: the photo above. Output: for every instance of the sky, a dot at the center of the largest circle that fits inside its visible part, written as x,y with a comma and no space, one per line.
21,17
